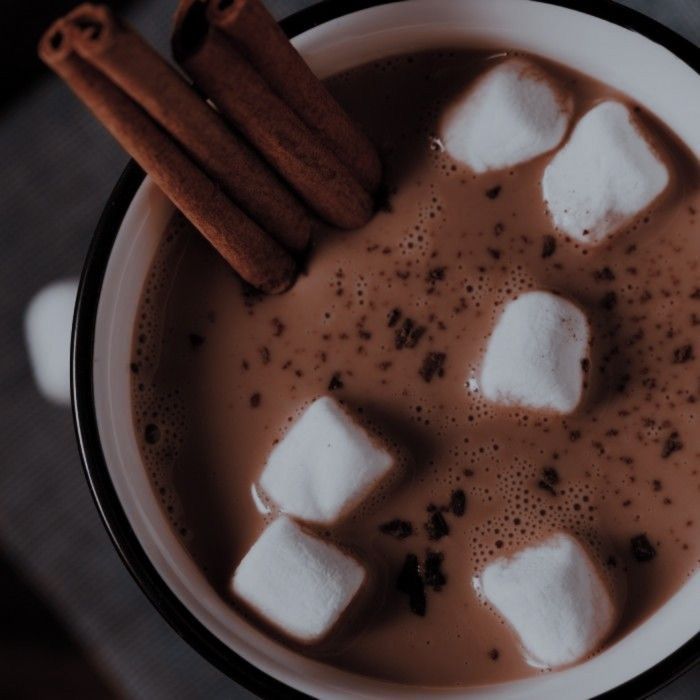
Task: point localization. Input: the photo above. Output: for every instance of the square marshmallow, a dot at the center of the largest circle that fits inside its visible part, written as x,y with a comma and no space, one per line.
297,582
324,465
554,597
534,355
513,113
605,174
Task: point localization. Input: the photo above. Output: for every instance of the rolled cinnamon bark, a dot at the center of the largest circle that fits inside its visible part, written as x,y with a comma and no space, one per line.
245,99
262,42
249,250
130,63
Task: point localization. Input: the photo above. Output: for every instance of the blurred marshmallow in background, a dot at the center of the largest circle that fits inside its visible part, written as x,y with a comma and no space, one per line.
48,321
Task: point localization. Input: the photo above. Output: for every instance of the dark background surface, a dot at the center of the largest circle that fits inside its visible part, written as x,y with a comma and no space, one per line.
72,622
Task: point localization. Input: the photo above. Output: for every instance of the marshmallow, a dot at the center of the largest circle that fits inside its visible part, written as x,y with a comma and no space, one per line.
554,597
606,173
534,355
512,114
48,322
324,465
298,583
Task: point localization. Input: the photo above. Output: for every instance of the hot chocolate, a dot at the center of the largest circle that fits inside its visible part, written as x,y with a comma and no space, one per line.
393,321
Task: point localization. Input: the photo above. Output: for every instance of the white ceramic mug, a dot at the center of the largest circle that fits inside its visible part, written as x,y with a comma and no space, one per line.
655,68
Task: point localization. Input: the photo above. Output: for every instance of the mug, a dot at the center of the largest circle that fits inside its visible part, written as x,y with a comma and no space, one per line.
629,52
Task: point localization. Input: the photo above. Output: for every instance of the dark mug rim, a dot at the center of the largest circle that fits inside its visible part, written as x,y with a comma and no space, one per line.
85,418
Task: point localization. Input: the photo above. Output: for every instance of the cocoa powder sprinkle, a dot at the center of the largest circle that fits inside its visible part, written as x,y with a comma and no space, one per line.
549,246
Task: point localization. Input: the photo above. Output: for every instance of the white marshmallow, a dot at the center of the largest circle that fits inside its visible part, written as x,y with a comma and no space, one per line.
512,114
48,322
605,174
324,465
534,355
297,582
554,597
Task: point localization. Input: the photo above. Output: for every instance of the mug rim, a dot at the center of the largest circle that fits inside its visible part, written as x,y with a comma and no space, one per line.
103,492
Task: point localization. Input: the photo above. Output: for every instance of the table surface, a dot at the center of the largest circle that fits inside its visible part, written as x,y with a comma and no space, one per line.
57,563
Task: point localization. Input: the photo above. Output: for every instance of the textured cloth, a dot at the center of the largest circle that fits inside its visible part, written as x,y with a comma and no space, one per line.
58,169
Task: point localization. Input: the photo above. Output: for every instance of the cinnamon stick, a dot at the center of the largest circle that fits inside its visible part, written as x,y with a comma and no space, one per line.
263,43
129,62
246,100
250,251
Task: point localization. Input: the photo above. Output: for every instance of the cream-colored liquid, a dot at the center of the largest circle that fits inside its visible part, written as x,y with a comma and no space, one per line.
448,257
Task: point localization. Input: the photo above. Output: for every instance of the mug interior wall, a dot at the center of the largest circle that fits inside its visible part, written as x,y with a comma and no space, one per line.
647,72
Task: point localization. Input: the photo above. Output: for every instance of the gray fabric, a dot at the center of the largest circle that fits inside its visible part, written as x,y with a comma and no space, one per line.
59,167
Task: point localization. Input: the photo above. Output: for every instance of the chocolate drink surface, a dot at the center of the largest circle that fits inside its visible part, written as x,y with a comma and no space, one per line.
392,320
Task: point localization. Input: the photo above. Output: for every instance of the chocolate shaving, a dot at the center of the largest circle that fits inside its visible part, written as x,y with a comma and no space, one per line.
393,317
673,444
545,486
264,355
408,335
278,327
494,654
458,503
549,246
550,478
550,475
433,365
493,192
605,274
411,583
436,527
400,529
432,570
255,400
683,354
436,274
416,334
336,382
402,334
642,549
